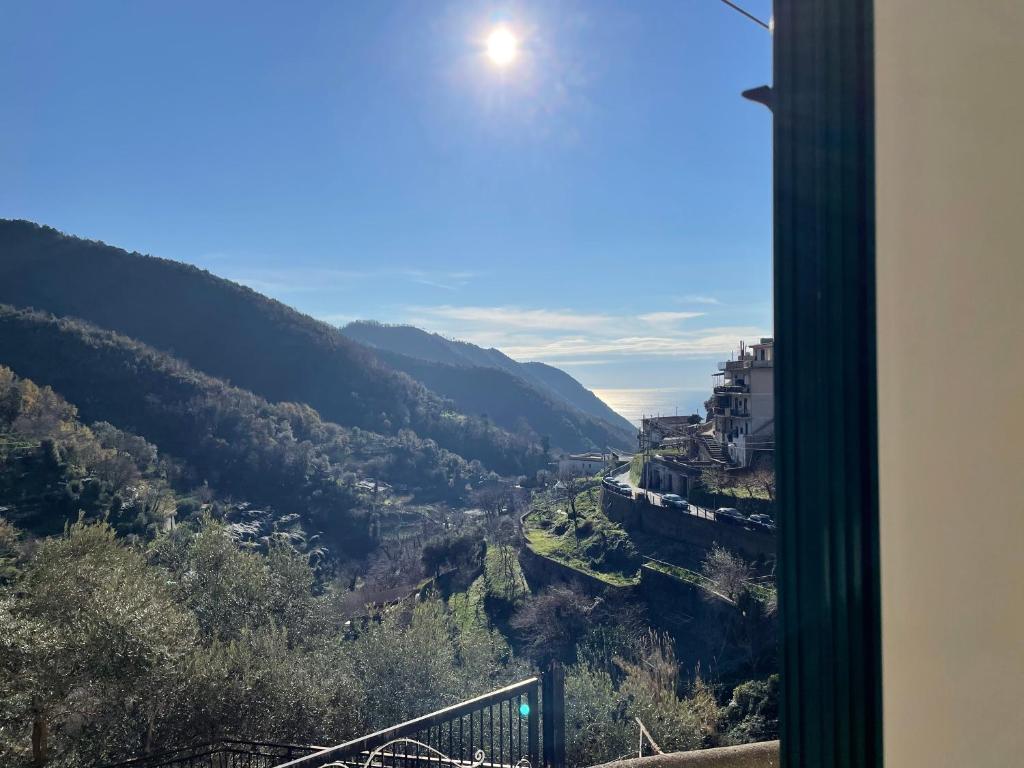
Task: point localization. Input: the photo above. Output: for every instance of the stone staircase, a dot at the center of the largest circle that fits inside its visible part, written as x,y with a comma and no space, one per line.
715,449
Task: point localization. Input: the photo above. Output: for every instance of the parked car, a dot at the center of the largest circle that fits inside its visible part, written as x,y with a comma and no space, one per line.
674,500
730,516
763,522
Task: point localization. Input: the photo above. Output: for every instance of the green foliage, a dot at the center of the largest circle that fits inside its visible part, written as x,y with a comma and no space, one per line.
10,552
258,686
457,369
752,713
112,655
91,638
281,455
503,577
231,591
512,403
53,468
417,661
594,544
233,333
463,551
601,714
597,726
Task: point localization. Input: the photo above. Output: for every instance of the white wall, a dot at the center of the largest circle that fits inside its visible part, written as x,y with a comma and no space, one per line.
950,215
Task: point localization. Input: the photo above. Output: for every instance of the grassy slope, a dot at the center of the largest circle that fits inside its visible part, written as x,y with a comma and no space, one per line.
549,533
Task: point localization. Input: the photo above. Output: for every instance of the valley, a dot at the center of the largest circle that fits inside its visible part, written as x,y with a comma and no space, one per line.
290,495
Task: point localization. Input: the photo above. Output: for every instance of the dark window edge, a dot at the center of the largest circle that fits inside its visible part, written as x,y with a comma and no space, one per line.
826,426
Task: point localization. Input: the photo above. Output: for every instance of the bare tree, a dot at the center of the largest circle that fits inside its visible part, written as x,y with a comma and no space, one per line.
728,573
716,480
493,498
763,478
569,486
551,623
506,538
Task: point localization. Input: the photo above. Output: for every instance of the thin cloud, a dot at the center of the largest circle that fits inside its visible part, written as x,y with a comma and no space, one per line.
700,300
568,337
668,318
704,343
310,279
516,317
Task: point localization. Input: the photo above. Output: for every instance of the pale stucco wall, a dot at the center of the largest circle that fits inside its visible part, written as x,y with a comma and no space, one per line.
950,215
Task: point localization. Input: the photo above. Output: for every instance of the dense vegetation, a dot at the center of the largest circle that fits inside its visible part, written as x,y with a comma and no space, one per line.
279,455
553,394
513,404
231,332
53,468
109,649
580,535
163,532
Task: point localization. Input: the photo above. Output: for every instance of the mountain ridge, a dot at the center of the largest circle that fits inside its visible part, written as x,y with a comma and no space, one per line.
234,333
279,454
554,383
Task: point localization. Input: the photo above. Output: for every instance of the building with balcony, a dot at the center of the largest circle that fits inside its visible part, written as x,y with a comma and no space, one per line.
742,405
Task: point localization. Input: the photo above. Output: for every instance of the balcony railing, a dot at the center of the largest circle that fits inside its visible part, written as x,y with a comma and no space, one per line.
730,389
519,726
738,365
504,728
730,413
223,753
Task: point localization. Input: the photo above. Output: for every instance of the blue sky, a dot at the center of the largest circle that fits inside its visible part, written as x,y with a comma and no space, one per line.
602,203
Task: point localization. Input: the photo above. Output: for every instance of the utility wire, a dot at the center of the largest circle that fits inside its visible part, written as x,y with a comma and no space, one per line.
749,15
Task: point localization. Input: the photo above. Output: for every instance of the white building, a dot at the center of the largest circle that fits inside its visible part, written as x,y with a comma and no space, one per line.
743,403
587,464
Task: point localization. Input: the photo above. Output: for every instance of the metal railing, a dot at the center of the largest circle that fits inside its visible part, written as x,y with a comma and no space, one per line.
223,753
520,725
731,389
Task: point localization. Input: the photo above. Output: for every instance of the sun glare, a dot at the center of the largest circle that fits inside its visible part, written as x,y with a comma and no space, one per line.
502,46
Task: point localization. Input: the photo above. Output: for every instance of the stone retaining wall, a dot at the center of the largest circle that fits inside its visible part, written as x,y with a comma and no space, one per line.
540,571
637,514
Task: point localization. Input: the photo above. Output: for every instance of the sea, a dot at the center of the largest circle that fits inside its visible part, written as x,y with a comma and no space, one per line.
635,403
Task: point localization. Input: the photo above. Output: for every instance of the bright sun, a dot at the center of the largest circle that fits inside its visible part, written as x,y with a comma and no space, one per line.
502,46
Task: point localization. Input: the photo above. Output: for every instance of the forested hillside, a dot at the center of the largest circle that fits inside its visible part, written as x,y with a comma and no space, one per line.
511,403
231,332
283,455
53,467
553,383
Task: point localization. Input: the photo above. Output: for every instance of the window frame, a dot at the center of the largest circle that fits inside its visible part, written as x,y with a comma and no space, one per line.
825,393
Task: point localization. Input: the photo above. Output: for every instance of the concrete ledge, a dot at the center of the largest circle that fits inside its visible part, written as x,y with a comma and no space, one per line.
764,754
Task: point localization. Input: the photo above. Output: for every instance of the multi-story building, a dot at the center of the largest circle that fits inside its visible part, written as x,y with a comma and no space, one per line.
659,430
743,404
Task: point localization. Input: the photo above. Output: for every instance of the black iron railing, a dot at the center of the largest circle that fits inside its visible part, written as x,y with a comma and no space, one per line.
520,725
224,753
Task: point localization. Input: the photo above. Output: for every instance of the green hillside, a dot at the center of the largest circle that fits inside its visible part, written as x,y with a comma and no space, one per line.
282,455
231,332
512,403
558,402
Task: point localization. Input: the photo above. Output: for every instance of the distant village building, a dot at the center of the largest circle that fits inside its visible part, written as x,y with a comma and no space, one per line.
662,430
590,463
743,404
669,474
